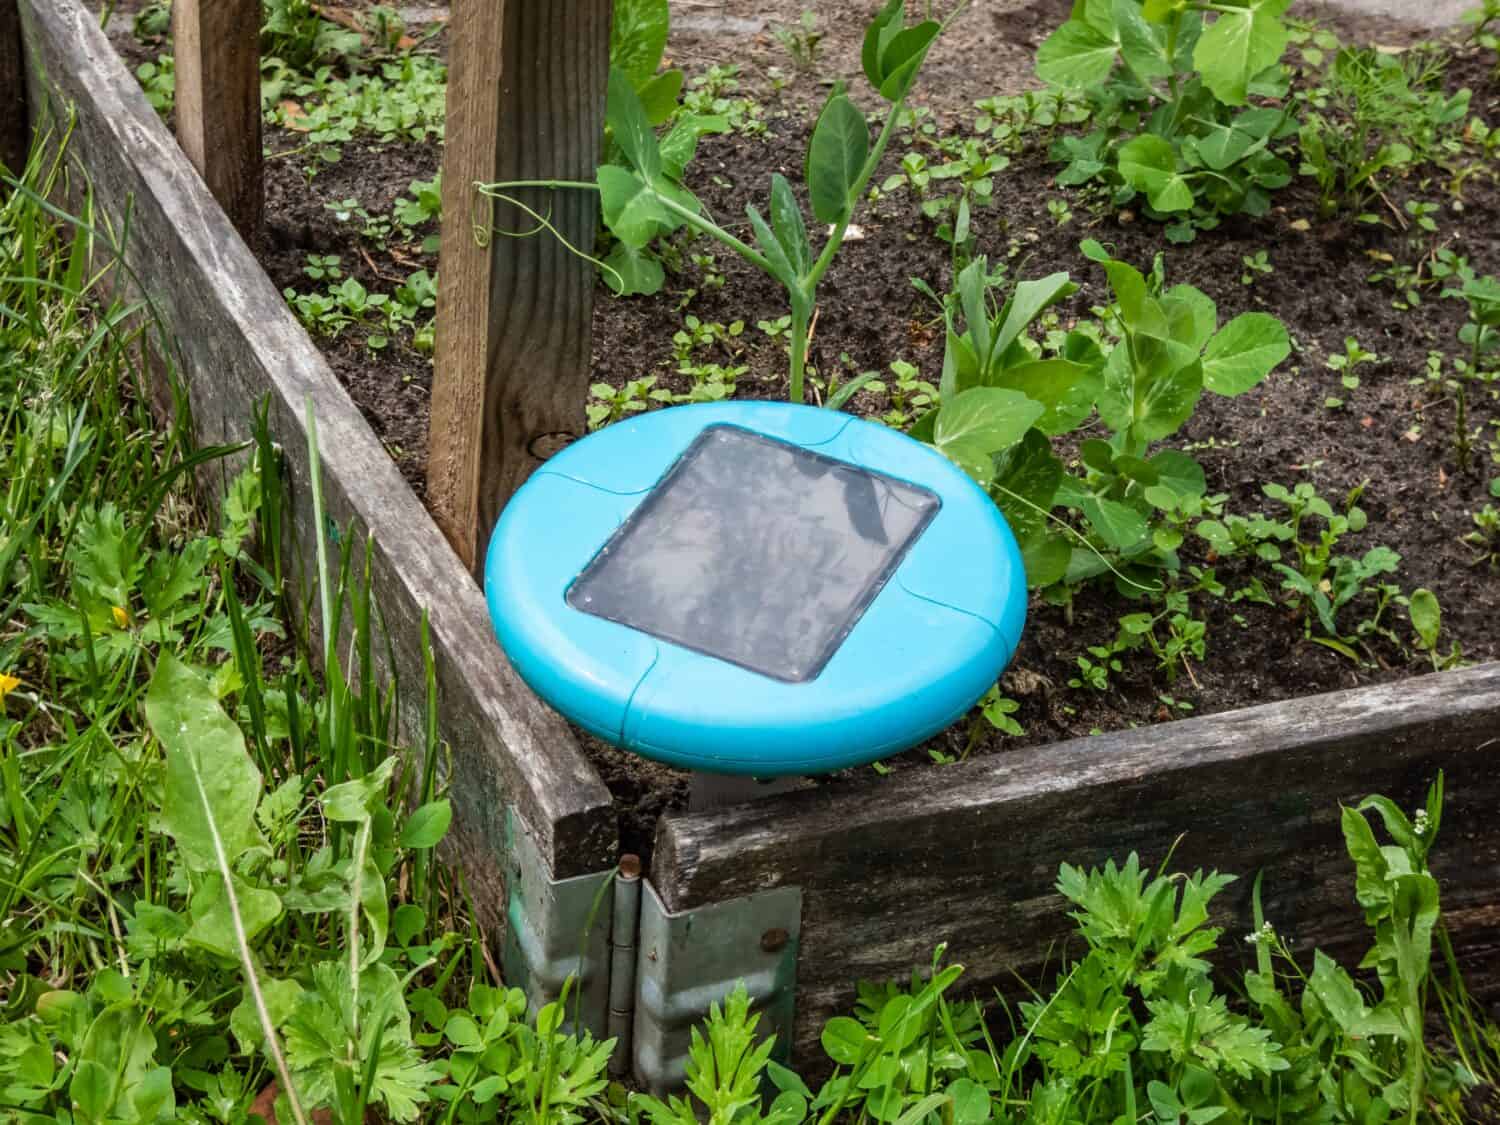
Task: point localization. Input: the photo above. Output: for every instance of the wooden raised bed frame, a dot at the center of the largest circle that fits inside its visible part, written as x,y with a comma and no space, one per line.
885,868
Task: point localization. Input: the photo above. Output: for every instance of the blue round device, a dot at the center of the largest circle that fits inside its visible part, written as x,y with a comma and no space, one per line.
755,588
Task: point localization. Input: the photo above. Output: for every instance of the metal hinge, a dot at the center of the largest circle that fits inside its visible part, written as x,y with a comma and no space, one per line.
646,976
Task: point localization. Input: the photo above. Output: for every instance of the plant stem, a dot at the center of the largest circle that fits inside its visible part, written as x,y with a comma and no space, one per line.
686,214
800,326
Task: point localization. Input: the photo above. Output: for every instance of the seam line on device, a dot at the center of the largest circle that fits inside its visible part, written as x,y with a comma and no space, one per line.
630,702
948,605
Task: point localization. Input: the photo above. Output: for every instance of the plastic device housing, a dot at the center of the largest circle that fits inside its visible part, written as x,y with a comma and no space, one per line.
935,637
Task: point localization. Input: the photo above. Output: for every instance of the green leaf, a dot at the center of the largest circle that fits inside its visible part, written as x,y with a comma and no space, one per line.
1149,164
633,271
631,209
1142,45
659,97
1076,56
356,800
281,998
1246,37
680,144
1139,311
1192,316
1045,555
836,158
632,129
1426,617
844,1040
1029,301
883,29
1244,352
92,1091
787,222
211,786
215,926
902,57
1118,524
1065,390
1179,472
1026,479
781,266
978,423
1224,146
1154,400
428,825
638,38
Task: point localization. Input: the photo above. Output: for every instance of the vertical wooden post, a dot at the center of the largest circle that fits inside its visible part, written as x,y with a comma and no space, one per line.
15,128
216,45
526,93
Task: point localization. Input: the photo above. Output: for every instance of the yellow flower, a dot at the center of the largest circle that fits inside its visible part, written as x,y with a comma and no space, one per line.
122,619
8,684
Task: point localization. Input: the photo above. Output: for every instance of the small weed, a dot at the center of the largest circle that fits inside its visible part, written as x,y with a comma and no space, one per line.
801,40
1184,639
323,267
1061,213
609,404
1486,536
1346,365
1257,266
910,395
714,94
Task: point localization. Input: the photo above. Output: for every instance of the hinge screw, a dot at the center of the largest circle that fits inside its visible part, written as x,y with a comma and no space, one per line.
773,941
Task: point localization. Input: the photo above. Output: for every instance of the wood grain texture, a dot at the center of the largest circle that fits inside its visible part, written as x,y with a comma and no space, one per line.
15,136
526,95
238,345
216,47
968,854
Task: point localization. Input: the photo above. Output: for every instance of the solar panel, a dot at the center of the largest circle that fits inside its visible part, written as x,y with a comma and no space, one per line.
756,551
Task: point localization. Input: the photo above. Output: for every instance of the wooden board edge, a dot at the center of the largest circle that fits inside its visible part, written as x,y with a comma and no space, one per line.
696,852
237,343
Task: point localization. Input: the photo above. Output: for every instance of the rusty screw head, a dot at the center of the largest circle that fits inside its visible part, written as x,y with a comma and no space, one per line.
773,941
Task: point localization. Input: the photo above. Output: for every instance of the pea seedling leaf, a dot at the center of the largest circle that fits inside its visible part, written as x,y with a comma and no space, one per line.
836,158
902,57
1149,164
631,270
1244,352
1142,45
1066,390
631,210
1118,524
638,37
787,222
1077,55
1246,37
632,129
883,29
978,423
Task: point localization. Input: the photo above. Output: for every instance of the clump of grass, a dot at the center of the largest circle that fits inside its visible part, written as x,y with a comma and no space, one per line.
217,872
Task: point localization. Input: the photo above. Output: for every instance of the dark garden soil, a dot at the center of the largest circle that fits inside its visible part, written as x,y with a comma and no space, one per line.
1393,438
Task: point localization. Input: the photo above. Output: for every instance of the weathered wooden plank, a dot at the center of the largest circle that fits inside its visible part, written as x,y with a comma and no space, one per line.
968,854
216,48
15,136
238,345
526,91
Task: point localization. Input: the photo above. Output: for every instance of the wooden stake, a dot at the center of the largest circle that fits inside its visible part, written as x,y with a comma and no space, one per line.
526,92
15,128
216,45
